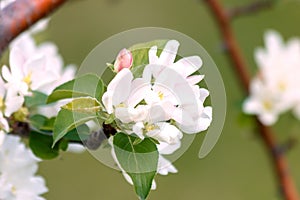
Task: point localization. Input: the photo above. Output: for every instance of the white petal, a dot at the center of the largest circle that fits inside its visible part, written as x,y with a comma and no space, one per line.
75,148
138,130
167,149
120,86
166,133
188,65
7,74
139,90
16,61
13,104
152,54
168,55
268,118
165,166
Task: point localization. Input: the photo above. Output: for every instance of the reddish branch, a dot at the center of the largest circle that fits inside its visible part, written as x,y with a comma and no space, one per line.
287,186
20,15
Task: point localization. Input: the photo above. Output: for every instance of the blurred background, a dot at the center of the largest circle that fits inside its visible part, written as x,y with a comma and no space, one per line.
238,168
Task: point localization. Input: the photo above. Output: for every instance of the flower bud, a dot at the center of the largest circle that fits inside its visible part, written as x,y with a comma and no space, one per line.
123,60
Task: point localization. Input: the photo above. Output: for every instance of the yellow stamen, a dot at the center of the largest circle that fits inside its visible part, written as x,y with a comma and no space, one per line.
2,105
121,105
160,95
281,86
267,105
27,79
150,127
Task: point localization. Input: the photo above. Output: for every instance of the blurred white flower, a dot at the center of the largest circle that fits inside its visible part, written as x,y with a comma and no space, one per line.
18,166
27,74
275,88
34,68
10,101
4,128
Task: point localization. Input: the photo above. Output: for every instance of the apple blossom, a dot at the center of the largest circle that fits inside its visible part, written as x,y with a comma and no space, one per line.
10,101
17,172
4,128
275,89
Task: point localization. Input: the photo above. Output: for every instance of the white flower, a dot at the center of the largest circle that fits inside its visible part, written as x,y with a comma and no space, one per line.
4,128
161,131
181,100
263,102
275,88
10,101
177,77
168,92
17,168
24,51
27,74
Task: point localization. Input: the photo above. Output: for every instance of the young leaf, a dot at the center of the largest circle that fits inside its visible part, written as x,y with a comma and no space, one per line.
83,105
67,120
42,123
37,98
40,145
78,134
138,160
87,85
140,51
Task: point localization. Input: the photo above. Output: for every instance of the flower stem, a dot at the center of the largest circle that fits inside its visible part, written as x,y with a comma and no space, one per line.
20,15
285,180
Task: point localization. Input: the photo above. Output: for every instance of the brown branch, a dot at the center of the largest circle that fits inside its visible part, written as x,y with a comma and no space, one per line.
286,183
251,8
20,15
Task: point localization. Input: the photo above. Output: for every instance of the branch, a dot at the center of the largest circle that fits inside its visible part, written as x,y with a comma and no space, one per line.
251,8
20,15
239,65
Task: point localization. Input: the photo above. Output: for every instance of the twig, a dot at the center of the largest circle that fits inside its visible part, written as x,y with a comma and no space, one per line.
20,15
251,8
239,65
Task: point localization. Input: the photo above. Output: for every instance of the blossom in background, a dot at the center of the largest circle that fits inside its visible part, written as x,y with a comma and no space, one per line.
17,172
10,101
4,128
275,88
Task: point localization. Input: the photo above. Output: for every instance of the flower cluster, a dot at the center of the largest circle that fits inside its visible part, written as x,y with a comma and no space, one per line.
17,172
32,68
275,88
161,104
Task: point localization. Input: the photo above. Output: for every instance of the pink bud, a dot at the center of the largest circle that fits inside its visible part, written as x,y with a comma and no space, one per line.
123,60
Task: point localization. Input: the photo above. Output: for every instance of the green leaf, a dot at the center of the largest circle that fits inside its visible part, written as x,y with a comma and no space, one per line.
36,99
140,51
67,120
42,123
87,85
40,145
138,160
83,105
78,134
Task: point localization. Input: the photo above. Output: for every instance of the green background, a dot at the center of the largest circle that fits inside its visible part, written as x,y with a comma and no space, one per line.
238,168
